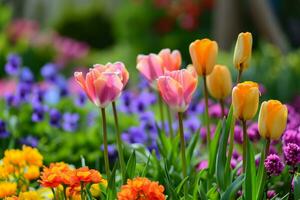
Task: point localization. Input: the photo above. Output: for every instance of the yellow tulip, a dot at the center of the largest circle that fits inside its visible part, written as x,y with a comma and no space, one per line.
242,51
203,53
272,119
219,82
245,98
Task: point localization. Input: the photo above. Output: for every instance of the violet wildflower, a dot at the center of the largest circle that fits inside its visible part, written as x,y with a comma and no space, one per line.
70,122
193,124
80,99
291,136
238,134
135,135
49,72
38,113
29,141
215,111
291,154
143,101
125,102
55,118
3,131
24,91
273,165
253,133
12,67
202,165
12,100
26,75
271,194
112,151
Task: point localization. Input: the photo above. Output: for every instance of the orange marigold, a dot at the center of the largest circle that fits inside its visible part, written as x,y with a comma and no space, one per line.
32,156
56,174
86,175
7,189
141,188
32,172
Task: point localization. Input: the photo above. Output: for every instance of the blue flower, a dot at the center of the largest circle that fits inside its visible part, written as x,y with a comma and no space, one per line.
49,72
80,99
55,117
12,100
70,122
12,67
38,113
3,132
29,141
143,101
24,91
135,135
26,75
125,102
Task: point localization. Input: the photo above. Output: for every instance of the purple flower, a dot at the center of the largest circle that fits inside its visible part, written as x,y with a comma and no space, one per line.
37,96
38,113
143,101
203,132
238,134
80,99
271,194
291,154
23,91
12,100
3,132
215,111
291,136
49,72
112,151
125,102
26,75
91,118
135,135
253,133
29,141
193,124
273,165
55,117
70,122
13,65
202,165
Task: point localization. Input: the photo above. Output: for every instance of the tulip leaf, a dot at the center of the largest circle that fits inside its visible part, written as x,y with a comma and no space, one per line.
181,184
231,191
261,174
130,168
297,186
213,150
111,193
191,147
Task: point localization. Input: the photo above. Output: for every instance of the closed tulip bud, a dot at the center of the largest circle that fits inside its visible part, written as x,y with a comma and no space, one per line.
272,119
245,99
242,51
219,82
203,53
171,61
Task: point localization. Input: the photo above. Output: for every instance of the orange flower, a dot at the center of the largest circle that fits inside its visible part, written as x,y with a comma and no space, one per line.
56,174
86,175
32,172
141,188
32,156
7,189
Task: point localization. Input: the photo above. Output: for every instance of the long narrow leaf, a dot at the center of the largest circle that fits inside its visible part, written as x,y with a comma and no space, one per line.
213,150
297,186
231,191
130,168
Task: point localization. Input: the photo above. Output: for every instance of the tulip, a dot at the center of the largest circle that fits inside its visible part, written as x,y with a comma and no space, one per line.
245,97
242,52
203,53
272,119
103,84
171,61
177,88
219,84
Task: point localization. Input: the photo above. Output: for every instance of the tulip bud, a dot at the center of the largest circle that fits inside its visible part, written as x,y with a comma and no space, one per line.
272,119
171,60
242,51
219,82
245,98
203,53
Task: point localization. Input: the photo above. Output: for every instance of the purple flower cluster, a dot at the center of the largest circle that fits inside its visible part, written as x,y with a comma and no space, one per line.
273,165
235,159
12,67
291,154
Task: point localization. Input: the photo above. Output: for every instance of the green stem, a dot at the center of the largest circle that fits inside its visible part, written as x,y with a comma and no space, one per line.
119,142
106,160
206,113
162,117
244,143
266,153
82,191
65,192
239,75
182,146
169,116
231,143
292,172
54,195
222,108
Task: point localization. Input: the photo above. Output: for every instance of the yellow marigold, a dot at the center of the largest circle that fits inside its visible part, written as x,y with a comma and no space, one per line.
141,189
14,157
3,172
7,189
11,198
32,156
32,172
31,195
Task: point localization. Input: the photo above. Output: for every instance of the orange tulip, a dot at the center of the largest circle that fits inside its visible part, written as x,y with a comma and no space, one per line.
219,82
203,53
272,119
242,51
245,99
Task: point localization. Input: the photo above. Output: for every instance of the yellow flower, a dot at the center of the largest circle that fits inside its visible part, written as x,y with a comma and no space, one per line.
7,189
219,82
14,157
32,156
203,53
96,189
242,51
272,119
32,172
31,195
3,172
245,99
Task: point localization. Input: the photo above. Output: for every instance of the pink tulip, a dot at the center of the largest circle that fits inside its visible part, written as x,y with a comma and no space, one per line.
177,88
171,60
103,84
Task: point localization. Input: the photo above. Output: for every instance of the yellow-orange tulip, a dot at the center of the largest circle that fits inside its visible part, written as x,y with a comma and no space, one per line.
245,98
272,119
203,53
219,82
242,51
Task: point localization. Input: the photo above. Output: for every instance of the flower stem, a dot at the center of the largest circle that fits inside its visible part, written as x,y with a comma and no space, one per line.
54,195
222,108
82,191
65,192
239,75
106,160
266,153
119,142
206,113
182,146
169,116
244,143
292,172
161,110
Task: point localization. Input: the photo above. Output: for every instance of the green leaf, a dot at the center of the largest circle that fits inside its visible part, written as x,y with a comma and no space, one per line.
181,184
191,147
130,168
146,166
213,193
213,149
231,191
261,174
111,187
250,180
297,186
